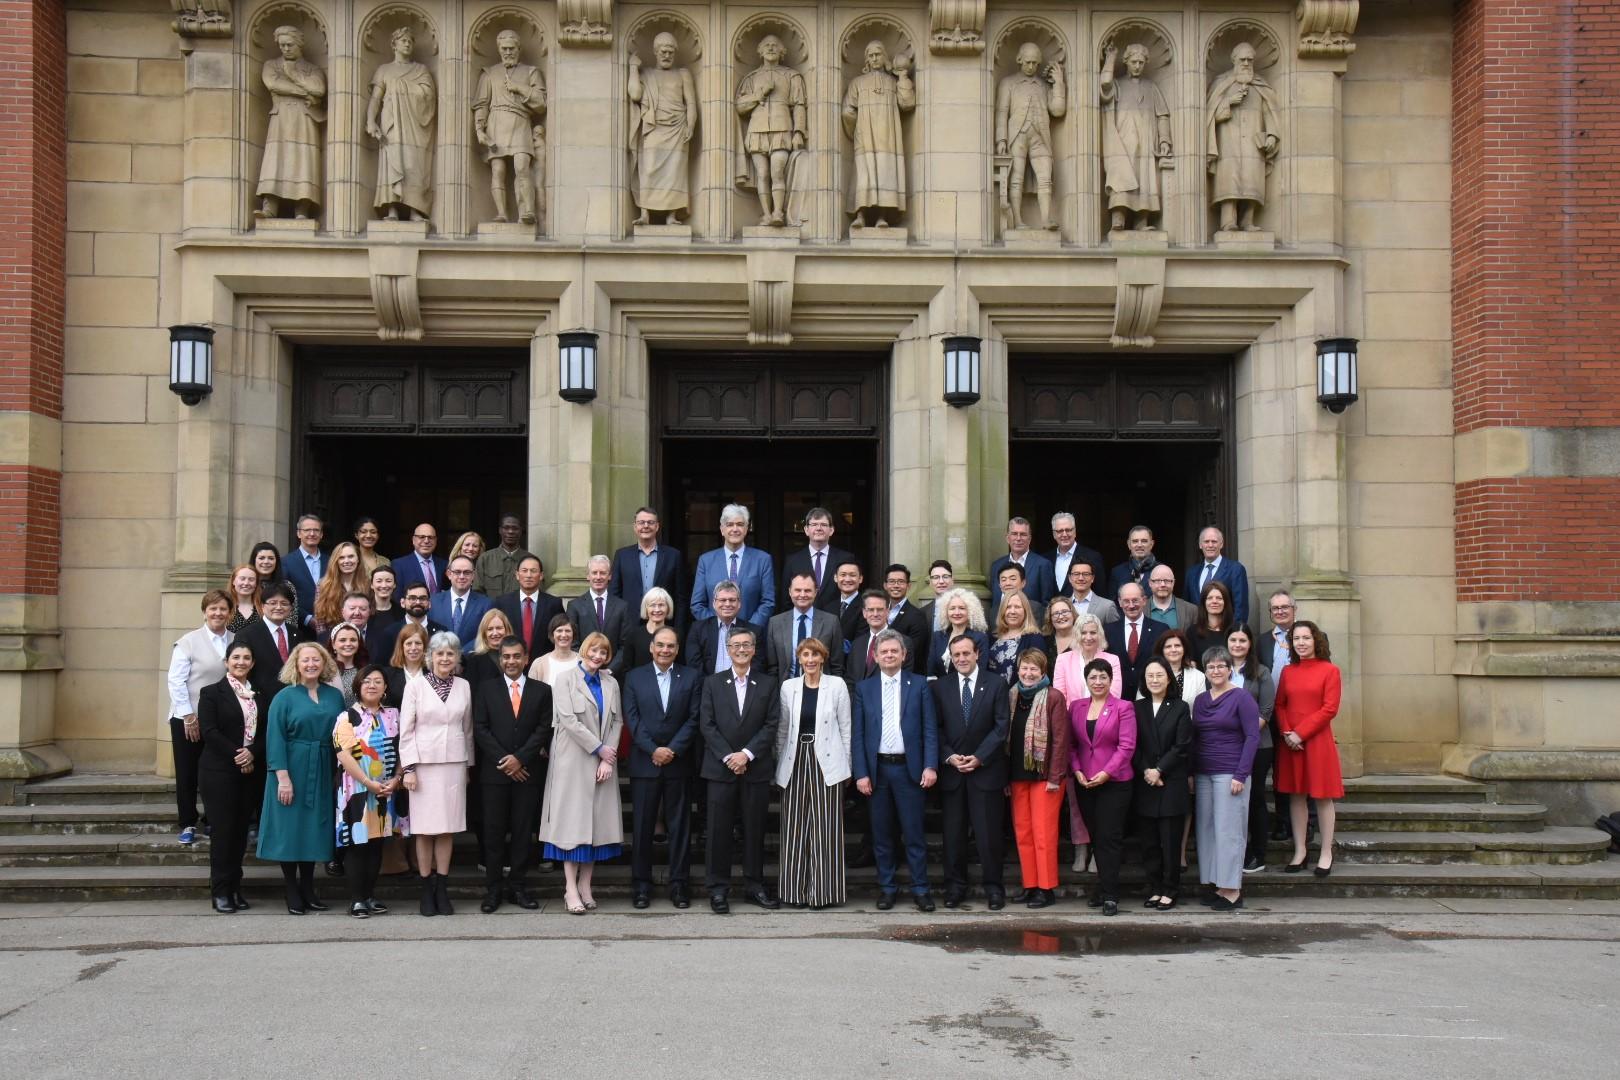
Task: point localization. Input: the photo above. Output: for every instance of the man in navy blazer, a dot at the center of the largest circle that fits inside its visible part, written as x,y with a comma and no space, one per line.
661,710
305,565
542,607
752,569
1039,584
895,760
820,560
459,598
668,569
1117,637
421,563
1215,567
974,715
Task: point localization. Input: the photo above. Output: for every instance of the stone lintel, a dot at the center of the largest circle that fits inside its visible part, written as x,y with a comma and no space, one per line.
1240,240
872,236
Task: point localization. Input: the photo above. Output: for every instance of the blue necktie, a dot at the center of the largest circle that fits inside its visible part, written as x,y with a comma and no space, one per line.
734,566
457,619
967,698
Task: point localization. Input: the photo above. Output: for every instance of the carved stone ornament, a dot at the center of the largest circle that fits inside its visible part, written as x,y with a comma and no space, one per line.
1137,299
586,24
770,297
201,19
394,292
1325,27
956,27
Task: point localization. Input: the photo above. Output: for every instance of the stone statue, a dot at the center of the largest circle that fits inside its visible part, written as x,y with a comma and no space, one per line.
661,134
1241,121
292,146
511,98
1136,139
772,101
404,101
871,116
1026,102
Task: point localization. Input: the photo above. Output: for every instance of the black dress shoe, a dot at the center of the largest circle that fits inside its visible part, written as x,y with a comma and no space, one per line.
995,899
719,904
679,897
761,898
313,902
1223,904
491,902
223,905
1094,901
376,907
1110,908
925,901
358,910
1294,867
429,902
520,896
1024,896
954,898
334,868
885,901
1043,898
641,901
239,901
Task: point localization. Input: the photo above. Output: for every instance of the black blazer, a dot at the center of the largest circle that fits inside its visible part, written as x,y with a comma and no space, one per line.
220,720
497,733
388,638
582,613
546,608
1121,575
394,696
726,731
799,563
855,665
1163,742
266,673
669,574
1114,636
703,643
911,623
983,735
850,619
651,726
1084,554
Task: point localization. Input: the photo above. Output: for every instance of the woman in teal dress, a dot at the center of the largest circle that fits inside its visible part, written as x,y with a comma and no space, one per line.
295,824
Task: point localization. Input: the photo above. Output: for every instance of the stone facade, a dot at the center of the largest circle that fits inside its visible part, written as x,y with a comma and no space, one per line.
164,135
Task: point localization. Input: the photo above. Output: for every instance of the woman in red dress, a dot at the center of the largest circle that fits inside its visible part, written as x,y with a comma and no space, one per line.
1308,758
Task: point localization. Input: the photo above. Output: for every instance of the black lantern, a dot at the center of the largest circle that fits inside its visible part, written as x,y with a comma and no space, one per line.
576,366
961,371
1336,382
191,362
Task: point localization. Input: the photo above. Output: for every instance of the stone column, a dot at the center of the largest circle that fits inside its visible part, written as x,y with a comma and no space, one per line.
211,197
452,202
587,109
347,207
33,196
950,201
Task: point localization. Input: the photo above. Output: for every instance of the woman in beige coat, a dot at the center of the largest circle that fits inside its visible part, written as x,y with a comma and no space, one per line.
581,822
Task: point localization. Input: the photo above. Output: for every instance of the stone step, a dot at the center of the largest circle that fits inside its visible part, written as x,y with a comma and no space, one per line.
100,788
1586,881
80,818
1440,817
1549,846
1416,789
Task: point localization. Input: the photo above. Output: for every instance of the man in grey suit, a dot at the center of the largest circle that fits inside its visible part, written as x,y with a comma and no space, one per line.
785,632
1082,576
1163,604
594,611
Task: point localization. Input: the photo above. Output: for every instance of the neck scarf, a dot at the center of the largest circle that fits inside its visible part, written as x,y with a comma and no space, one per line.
1035,729
250,710
440,686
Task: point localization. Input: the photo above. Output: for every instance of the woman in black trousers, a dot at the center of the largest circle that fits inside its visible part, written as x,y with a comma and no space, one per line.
1163,756
229,773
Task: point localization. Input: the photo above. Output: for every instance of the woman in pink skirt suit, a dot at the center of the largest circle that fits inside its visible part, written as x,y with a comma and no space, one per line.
436,749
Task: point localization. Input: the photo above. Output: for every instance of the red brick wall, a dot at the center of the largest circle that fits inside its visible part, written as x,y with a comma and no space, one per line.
33,198
1541,538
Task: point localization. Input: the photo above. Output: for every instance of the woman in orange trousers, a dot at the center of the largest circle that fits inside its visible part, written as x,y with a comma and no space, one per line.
1037,764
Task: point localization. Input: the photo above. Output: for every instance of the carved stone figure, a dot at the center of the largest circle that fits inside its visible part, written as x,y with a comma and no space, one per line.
292,146
772,101
1026,102
661,134
871,117
1241,122
400,117
1136,139
507,107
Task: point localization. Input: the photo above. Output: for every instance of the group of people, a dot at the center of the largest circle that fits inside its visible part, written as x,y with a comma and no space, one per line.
420,696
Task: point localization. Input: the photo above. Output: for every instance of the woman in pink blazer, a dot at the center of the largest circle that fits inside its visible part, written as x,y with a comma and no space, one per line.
1100,754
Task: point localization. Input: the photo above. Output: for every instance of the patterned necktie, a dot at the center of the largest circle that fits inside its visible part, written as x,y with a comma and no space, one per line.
891,704
517,698
734,566
601,613
819,556
967,698
528,624
281,642
871,652
427,576
1131,644
1209,572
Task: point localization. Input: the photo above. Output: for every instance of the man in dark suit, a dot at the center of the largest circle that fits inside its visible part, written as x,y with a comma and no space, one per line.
941,579
861,663
529,609
415,603
272,637
1273,647
511,730
905,617
421,564
661,702
738,715
595,612
305,565
648,564
458,607
788,630
1038,583
1214,566
819,559
706,645
848,580
750,567
1132,638
1136,568
894,754
1066,550
973,719
356,611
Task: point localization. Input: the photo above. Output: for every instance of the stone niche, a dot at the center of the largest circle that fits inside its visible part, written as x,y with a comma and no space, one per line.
803,165
1161,71
1055,50
482,53
1270,68
374,49
900,43
639,42
262,47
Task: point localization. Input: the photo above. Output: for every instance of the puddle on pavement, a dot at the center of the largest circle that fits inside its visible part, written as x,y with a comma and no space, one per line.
1258,939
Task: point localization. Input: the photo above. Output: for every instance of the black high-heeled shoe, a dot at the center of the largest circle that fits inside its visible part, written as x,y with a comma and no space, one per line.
1324,871
1295,867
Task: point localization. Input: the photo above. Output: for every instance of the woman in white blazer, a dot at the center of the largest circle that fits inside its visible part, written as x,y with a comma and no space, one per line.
812,764
436,749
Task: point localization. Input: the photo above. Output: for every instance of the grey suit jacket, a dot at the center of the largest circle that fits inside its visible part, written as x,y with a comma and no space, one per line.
1185,612
1100,606
779,633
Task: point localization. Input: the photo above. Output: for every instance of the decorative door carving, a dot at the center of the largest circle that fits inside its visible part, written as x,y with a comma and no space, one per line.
409,394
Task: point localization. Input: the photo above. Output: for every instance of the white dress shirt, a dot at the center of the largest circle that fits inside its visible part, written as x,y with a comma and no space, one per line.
891,741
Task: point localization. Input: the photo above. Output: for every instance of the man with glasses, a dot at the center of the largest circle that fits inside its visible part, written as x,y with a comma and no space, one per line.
1274,646
1164,605
819,559
458,607
415,605
305,565
737,716
905,618
648,564
421,565
1082,580
1038,583
941,579
1067,550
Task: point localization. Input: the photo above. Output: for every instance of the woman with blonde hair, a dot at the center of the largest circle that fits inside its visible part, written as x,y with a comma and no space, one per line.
295,820
471,545
482,665
343,576
956,612
1061,627
1016,632
581,821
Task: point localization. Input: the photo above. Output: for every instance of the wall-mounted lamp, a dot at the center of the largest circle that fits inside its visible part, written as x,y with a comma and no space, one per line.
576,366
1336,378
191,362
961,371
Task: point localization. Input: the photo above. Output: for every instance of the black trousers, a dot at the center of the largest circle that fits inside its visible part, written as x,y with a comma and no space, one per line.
360,868
510,819
187,755
1259,812
228,800
1161,852
983,809
647,796
752,800
1105,810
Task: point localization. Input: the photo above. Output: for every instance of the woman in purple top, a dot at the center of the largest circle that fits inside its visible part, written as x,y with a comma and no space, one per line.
1226,734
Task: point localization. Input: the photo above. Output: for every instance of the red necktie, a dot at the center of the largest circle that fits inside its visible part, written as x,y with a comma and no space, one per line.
528,623
871,652
1131,643
281,642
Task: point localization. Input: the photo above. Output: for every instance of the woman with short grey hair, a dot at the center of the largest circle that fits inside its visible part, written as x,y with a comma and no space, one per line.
1226,734
657,611
435,750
